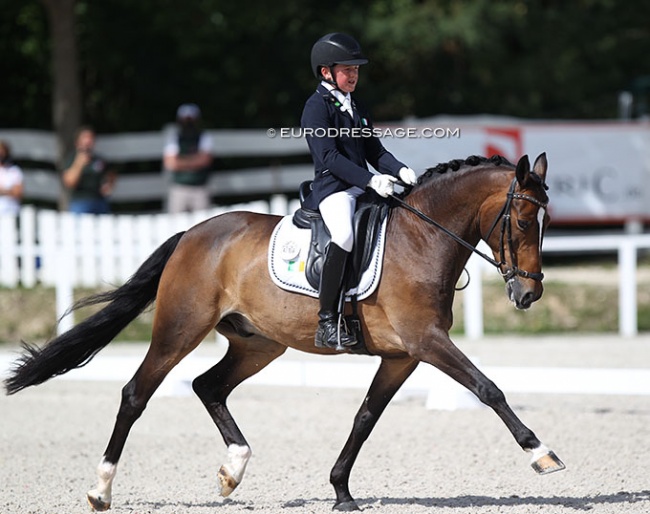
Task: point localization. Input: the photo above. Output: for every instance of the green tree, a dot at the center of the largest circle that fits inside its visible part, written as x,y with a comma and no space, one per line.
248,65
66,89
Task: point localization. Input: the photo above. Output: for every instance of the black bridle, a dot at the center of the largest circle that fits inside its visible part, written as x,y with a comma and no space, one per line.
506,234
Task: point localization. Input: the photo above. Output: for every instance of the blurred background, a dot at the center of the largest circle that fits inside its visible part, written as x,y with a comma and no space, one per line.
124,67
516,76
248,66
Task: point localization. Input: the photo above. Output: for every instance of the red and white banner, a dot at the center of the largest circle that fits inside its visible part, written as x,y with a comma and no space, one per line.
598,172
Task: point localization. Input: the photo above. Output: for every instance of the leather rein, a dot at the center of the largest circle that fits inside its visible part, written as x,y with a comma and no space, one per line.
506,234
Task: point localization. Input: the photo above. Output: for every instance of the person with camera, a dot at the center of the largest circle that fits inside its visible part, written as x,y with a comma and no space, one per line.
87,176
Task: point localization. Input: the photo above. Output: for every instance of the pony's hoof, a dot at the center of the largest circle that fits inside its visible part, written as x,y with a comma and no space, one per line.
96,502
547,463
348,506
228,483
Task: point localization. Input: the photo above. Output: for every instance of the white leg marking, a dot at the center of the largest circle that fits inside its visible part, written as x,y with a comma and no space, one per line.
539,452
238,457
105,475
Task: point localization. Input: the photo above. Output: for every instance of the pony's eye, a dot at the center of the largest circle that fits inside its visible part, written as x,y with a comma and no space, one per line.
523,224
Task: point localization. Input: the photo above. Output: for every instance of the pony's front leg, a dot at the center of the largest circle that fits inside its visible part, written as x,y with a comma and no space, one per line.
389,377
445,356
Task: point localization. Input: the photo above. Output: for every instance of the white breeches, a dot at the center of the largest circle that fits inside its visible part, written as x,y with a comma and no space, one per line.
337,211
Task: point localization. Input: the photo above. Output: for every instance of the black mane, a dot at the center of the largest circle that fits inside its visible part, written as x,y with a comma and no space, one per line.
456,164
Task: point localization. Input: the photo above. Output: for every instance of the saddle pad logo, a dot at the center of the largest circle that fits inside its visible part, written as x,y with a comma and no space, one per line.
287,256
289,251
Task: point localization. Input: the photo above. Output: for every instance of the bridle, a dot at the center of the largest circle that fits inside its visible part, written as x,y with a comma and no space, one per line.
506,234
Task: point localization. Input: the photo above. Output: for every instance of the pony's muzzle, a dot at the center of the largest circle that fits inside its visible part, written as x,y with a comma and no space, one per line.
523,292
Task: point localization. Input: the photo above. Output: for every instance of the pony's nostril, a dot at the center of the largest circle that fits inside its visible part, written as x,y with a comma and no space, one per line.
527,300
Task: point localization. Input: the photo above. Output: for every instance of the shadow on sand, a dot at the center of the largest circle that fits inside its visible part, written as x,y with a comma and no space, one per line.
575,503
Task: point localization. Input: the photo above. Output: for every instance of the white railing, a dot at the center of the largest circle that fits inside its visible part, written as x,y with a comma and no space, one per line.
63,250
92,250
625,245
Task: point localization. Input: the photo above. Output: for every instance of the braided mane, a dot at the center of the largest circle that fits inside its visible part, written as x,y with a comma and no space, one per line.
454,165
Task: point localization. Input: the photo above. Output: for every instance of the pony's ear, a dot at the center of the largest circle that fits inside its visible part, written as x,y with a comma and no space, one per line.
523,170
539,168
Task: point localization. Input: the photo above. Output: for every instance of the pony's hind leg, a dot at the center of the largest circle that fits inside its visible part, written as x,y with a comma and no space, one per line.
168,347
135,395
244,358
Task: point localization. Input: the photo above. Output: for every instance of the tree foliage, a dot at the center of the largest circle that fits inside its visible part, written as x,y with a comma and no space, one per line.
247,65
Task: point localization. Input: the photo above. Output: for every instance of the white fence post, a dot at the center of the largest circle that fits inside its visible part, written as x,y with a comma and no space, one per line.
28,253
279,205
627,306
9,272
473,298
86,232
47,230
64,288
107,249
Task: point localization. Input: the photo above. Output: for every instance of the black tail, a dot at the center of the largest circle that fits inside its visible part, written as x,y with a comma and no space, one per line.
76,347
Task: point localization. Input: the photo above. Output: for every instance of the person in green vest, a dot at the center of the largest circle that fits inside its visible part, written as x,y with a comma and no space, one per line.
87,177
188,157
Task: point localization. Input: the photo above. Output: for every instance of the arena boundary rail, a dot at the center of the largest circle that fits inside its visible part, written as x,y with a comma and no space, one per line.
64,251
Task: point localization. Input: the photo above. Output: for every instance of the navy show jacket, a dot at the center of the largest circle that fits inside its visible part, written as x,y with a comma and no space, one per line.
341,162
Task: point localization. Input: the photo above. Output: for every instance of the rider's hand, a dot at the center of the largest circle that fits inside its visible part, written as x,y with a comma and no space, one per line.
383,184
407,175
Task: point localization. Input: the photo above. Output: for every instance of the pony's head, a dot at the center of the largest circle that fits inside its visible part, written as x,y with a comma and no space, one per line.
514,228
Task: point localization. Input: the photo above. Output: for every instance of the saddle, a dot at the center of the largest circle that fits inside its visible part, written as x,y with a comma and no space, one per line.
368,218
370,213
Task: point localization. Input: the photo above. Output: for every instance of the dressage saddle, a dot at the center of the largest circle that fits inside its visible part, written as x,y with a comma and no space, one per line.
370,213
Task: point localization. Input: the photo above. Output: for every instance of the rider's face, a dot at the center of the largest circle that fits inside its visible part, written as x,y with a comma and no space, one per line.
346,76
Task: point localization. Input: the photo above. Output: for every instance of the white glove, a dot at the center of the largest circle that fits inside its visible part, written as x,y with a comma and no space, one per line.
407,175
383,184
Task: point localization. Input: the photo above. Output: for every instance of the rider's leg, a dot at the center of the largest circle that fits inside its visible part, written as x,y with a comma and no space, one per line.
337,211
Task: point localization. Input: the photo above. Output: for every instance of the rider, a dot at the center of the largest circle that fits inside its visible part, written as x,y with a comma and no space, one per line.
341,162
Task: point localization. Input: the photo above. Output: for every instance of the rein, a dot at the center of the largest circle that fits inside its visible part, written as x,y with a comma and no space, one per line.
506,230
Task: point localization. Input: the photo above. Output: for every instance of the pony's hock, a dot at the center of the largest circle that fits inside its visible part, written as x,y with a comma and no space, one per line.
200,282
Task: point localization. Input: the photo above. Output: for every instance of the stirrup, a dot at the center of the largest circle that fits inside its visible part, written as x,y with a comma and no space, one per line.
333,334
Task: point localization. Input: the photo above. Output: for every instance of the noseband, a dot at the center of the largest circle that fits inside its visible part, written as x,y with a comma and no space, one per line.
506,234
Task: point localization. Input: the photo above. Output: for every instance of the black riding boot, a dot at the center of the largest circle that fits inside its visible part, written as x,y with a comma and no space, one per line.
331,281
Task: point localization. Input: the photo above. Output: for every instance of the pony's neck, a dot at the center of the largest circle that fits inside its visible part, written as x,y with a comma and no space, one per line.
456,200
456,203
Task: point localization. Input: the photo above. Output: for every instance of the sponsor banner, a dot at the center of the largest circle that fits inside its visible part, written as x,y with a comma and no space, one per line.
598,172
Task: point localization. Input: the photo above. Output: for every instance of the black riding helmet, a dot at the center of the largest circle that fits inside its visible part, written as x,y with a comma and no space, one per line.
335,48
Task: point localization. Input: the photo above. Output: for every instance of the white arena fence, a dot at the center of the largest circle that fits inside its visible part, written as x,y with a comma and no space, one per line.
64,250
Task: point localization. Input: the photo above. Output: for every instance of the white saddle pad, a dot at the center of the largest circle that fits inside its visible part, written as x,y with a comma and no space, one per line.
288,254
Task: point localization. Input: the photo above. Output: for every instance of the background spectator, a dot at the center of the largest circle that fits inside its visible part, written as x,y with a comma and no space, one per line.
87,176
11,182
188,156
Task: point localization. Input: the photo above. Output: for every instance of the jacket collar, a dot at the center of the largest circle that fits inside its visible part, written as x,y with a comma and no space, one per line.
329,96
